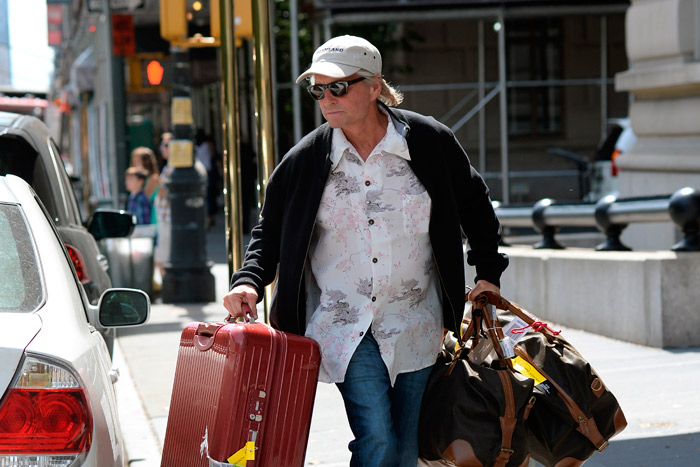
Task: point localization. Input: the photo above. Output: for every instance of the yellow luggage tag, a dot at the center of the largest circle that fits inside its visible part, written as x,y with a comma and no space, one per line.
243,455
524,368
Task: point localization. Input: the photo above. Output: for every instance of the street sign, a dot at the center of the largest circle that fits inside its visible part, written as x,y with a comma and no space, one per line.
54,18
124,37
97,6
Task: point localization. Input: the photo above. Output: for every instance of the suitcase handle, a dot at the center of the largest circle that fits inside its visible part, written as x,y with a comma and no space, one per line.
205,334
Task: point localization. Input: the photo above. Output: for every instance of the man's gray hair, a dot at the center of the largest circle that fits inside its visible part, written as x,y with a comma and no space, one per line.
389,96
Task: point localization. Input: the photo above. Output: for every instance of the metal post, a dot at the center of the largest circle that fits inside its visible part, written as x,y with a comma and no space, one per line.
231,139
482,92
294,49
603,76
505,176
187,276
263,94
318,119
264,109
109,94
684,209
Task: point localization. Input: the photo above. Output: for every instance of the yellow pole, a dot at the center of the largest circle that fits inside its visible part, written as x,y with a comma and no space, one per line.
263,93
263,105
231,138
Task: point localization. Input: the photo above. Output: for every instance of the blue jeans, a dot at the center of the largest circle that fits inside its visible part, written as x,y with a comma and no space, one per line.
384,419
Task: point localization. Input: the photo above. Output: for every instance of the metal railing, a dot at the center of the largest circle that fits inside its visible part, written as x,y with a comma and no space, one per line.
610,215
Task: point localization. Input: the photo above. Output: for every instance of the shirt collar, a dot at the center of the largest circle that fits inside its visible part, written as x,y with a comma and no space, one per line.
392,143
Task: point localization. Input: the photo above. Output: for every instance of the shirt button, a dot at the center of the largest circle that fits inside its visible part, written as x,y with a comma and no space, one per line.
367,183
374,299
374,260
362,333
371,222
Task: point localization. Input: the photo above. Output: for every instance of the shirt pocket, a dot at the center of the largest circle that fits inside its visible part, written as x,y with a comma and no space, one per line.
416,213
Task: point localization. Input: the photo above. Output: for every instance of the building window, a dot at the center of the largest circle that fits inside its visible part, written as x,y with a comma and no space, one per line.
534,59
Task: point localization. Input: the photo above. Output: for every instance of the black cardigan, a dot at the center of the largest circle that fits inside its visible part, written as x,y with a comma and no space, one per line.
460,202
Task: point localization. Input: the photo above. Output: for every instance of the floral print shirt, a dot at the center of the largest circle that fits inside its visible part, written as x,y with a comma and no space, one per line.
372,262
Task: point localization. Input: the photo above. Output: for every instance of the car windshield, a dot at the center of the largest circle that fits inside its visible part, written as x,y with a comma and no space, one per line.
21,289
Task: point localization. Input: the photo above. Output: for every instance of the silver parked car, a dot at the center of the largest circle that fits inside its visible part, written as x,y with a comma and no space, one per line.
58,403
27,150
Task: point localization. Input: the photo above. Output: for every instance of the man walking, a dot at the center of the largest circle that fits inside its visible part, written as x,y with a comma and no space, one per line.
364,219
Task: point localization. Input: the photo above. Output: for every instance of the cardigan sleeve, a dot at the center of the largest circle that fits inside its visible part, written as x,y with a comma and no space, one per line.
478,218
262,255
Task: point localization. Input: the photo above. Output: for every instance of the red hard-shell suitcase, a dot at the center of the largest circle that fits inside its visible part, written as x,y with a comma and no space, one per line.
242,392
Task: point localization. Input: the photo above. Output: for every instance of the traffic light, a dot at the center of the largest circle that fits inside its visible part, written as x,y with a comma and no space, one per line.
196,23
149,72
243,11
154,72
173,23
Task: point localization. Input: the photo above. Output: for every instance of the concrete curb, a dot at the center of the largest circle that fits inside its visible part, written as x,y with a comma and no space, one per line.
140,440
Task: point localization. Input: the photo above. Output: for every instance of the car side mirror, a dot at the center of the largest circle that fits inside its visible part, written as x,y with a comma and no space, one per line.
123,307
111,223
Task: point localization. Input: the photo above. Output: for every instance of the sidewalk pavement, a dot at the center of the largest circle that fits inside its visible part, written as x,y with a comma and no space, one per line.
657,389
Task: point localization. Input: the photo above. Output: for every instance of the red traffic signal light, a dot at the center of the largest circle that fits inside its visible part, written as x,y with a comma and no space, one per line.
154,72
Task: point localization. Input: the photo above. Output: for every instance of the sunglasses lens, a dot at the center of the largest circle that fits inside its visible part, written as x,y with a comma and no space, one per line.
339,88
316,91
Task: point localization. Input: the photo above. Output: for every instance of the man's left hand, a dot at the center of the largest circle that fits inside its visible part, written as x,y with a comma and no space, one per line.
482,286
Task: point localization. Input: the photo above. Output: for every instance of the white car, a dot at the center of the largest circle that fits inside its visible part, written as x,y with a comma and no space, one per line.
603,177
57,395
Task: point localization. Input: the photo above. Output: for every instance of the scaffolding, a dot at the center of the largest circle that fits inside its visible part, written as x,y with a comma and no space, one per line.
334,13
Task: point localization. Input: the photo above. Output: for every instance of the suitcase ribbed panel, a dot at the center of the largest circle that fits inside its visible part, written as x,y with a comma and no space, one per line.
191,405
219,391
297,371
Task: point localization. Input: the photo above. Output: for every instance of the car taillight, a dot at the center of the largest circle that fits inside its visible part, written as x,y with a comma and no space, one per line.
77,258
45,420
613,167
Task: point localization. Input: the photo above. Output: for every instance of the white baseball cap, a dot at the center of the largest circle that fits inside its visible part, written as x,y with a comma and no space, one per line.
344,56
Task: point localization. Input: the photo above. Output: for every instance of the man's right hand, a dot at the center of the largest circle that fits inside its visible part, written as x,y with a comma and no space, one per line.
241,301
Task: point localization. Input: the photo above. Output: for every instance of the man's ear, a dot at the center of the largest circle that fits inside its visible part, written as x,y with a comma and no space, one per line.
376,88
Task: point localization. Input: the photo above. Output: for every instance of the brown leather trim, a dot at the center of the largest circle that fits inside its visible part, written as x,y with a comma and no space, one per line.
589,429
619,421
597,387
460,453
503,457
528,407
586,426
508,421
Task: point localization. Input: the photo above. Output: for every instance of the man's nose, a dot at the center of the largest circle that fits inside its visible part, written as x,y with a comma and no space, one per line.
327,94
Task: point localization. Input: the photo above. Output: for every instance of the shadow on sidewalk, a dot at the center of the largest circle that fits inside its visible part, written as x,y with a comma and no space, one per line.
667,451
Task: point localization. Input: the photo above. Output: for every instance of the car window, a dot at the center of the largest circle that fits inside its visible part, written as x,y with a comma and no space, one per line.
20,281
19,158
68,194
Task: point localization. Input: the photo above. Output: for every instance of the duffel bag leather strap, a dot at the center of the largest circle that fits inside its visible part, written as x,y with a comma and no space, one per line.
508,421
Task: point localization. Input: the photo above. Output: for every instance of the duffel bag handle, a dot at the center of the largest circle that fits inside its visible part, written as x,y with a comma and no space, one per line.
502,304
492,328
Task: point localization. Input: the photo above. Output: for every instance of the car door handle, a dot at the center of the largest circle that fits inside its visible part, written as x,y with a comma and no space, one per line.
114,375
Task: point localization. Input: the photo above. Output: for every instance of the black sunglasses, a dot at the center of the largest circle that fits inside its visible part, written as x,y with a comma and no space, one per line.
338,89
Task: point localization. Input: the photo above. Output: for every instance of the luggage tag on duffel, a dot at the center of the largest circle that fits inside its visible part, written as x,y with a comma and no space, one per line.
482,350
516,323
